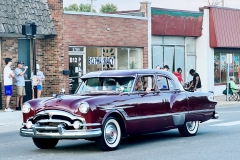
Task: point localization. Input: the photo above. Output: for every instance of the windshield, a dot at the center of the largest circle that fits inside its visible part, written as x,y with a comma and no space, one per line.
105,84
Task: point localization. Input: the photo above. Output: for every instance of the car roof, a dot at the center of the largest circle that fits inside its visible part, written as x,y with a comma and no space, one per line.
125,73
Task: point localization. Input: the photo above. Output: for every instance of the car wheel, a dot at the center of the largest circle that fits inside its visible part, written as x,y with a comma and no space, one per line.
111,135
43,143
189,128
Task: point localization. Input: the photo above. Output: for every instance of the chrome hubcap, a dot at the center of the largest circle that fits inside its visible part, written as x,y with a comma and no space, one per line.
191,125
111,133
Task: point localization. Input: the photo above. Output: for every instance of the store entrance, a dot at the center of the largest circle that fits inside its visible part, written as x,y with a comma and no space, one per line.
77,63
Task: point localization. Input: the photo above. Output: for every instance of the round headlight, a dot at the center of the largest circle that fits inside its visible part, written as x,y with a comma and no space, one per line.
26,107
84,107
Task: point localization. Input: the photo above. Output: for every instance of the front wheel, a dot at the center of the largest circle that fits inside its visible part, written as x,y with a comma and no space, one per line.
189,128
111,135
43,143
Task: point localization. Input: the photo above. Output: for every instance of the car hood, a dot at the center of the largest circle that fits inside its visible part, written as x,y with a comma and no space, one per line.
68,103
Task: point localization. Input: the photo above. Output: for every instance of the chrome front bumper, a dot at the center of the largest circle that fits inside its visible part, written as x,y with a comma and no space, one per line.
53,124
60,133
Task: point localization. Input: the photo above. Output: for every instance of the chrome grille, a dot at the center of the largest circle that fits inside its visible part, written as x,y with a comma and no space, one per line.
55,117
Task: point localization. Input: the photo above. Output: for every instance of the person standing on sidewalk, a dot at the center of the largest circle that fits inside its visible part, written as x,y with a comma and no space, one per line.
8,75
20,82
158,67
166,68
178,74
40,79
196,82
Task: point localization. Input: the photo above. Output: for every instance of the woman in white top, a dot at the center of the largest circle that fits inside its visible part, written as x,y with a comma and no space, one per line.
40,79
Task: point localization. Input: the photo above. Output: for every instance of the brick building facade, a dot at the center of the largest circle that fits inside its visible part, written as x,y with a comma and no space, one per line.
58,31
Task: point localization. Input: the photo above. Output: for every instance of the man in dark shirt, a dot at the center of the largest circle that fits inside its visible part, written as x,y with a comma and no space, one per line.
196,82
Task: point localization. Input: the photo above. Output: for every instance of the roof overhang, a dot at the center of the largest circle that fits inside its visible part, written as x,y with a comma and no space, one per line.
224,27
15,35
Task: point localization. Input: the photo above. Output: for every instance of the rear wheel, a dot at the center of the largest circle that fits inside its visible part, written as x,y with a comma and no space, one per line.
111,135
43,143
189,128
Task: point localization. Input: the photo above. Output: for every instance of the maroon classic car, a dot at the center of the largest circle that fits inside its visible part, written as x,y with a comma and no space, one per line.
109,105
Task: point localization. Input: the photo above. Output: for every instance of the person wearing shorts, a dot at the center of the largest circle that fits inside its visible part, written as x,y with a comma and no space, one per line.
40,79
20,82
8,75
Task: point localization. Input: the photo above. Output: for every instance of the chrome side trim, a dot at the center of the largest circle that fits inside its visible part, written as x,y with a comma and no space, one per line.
204,110
160,115
118,108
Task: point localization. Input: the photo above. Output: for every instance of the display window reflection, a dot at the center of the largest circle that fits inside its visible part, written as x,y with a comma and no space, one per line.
221,67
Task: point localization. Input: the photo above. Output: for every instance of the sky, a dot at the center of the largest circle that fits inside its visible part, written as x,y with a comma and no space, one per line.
192,5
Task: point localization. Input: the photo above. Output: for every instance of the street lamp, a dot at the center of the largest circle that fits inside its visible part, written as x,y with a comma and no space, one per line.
29,30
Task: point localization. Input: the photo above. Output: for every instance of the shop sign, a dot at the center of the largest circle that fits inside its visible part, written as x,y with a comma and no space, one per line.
98,60
76,49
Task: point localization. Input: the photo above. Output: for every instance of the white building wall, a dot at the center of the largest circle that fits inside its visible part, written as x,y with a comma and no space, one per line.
149,35
205,56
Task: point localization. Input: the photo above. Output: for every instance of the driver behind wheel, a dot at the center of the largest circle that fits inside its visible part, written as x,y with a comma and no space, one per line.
110,85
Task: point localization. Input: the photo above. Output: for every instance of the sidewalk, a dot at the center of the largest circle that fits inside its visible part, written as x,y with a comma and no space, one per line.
10,121
221,101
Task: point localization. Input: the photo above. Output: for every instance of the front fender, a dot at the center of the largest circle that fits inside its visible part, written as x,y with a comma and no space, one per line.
119,116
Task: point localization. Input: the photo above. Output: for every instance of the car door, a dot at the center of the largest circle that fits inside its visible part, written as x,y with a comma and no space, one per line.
175,102
151,105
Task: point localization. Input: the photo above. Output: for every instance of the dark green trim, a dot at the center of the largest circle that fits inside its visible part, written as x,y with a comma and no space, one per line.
176,13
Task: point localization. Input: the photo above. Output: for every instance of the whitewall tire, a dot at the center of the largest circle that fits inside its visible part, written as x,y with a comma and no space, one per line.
189,128
111,135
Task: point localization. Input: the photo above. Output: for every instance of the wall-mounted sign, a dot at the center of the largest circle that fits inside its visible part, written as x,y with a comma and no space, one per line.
98,60
76,49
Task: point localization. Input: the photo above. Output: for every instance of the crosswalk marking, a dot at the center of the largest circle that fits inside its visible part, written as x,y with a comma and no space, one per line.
227,124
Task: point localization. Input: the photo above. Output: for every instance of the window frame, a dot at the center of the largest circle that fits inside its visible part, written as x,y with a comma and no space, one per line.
167,80
145,75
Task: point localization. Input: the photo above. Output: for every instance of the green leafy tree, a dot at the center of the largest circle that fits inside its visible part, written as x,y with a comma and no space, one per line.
80,8
85,8
72,7
109,7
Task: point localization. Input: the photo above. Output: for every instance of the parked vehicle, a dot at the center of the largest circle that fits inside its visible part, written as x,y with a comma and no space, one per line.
109,105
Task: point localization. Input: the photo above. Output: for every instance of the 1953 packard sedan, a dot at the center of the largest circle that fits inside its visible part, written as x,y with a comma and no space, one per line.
109,105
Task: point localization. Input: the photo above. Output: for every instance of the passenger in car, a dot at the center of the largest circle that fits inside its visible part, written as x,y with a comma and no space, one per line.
139,86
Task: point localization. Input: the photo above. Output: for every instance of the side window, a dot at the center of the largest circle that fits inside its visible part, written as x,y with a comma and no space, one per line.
162,82
144,82
172,85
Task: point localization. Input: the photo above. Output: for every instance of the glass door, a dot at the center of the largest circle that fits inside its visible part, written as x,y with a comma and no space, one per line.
77,67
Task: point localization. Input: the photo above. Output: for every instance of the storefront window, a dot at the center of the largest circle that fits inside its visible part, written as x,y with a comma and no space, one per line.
221,67
94,59
122,58
112,58
135,58
173,56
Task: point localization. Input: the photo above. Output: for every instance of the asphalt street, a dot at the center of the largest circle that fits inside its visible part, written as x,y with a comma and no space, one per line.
216,139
